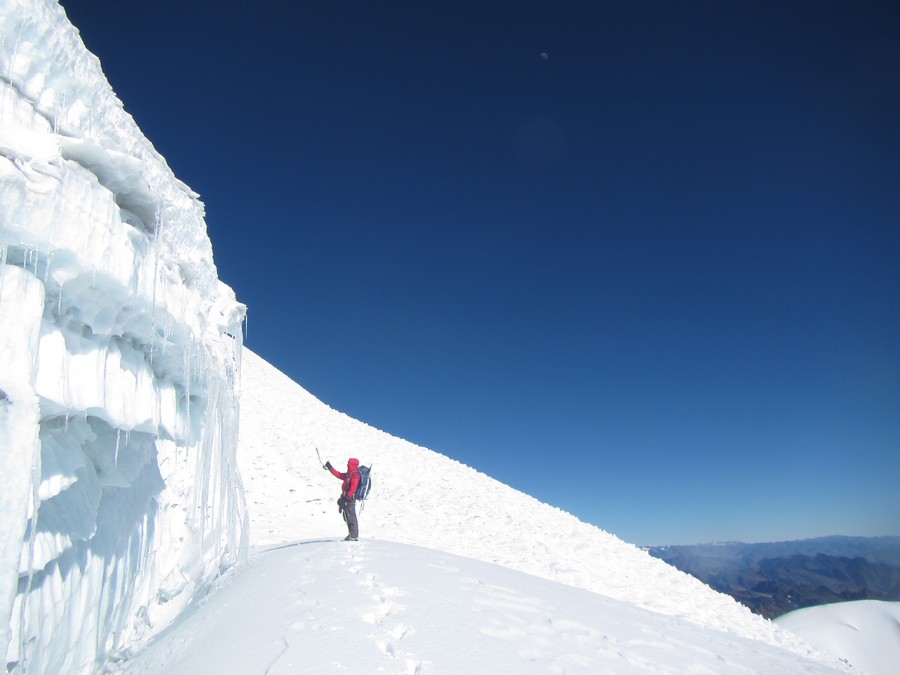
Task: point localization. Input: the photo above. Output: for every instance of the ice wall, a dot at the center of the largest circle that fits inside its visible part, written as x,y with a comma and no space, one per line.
119,361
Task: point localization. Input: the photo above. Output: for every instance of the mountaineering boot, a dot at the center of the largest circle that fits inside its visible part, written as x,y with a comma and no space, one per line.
349,538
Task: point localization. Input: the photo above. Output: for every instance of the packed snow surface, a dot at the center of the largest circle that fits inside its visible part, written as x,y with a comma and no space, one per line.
865,633
331,606
461,520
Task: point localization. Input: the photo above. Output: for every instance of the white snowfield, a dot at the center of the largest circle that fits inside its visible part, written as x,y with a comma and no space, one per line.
379,607
866,633
120,364
119,353
427,500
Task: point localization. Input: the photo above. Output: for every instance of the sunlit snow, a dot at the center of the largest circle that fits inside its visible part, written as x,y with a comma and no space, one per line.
120,352
123,520
328,606
865,633
524,586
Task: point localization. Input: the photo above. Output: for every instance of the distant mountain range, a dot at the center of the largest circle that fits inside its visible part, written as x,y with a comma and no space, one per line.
775,578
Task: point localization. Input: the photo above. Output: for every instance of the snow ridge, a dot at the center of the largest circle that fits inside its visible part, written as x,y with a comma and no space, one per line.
322,606
429,500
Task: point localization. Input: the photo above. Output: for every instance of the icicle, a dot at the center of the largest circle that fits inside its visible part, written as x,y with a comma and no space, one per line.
65,383
2,264
60,110
187,384
167,333
118,437
157,228
59,300
105,365
32,540
9,72
47,268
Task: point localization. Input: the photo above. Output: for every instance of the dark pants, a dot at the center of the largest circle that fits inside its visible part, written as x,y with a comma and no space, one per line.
348,511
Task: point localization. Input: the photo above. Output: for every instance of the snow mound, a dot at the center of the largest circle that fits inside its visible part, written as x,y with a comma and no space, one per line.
865,633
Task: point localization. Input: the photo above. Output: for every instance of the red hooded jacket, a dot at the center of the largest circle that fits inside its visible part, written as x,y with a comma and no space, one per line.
350,478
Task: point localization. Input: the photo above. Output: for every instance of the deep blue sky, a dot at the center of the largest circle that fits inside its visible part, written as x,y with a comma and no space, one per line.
639,259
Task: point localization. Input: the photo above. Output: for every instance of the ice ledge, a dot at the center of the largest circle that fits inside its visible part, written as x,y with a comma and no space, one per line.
121,361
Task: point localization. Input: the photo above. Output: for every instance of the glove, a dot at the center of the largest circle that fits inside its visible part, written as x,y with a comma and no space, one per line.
327,466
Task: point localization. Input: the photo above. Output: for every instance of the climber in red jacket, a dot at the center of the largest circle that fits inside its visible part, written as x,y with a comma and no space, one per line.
347,503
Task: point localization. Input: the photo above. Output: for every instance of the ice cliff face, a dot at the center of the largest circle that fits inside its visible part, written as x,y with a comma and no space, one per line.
119,361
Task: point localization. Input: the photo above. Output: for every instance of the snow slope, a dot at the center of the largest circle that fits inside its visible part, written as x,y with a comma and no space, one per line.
119,356
865,633
330,606
428,500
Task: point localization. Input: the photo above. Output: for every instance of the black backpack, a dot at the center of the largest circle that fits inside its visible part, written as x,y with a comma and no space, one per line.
365,482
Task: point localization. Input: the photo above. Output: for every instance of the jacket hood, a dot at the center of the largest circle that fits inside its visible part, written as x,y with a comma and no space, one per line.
352,464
